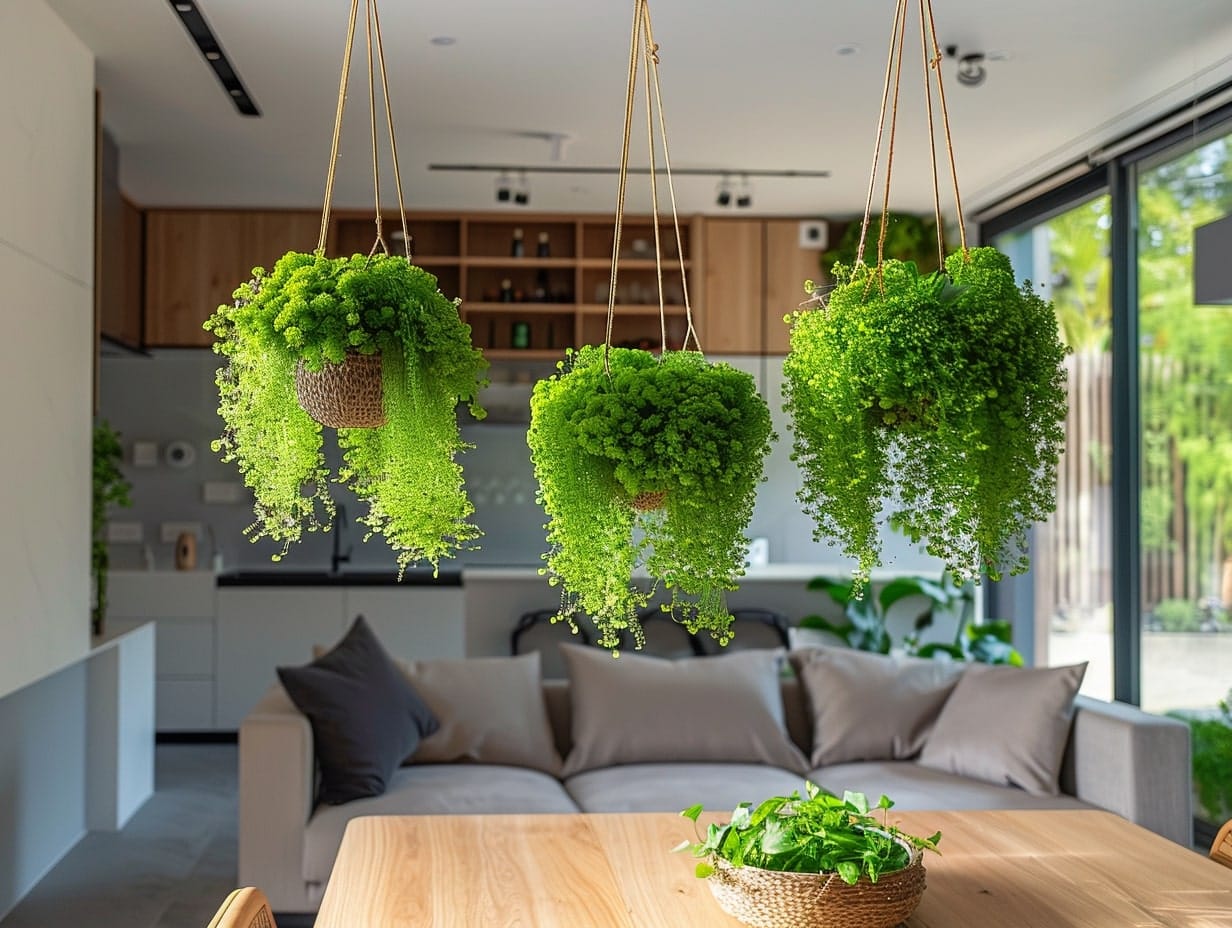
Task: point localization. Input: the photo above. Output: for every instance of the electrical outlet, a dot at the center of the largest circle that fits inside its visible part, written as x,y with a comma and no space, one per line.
125,532
222,491
168,532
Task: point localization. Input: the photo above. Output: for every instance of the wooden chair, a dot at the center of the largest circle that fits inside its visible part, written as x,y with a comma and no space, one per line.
244,908
1221,848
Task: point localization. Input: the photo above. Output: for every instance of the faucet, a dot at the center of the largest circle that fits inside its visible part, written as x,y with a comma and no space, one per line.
337,557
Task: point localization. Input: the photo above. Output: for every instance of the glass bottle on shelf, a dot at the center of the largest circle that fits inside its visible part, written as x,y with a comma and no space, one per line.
541,286
544,248
518,249
520,335
506,291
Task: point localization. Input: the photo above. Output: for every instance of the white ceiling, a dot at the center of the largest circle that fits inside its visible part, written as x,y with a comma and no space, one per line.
753,85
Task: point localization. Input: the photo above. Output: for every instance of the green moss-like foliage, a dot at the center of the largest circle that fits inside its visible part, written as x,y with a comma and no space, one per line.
696,431
942,395
316,309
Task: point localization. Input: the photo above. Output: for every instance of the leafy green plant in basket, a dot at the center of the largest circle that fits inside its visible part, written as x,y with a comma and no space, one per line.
311,314
938,396
817,860
647,462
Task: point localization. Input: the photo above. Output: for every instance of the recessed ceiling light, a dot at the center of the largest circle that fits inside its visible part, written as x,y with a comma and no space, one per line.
443,40
184,7
847,49
213,56
236,92
211,50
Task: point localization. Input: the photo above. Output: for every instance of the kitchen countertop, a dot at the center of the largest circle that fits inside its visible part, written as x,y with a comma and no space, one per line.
358,577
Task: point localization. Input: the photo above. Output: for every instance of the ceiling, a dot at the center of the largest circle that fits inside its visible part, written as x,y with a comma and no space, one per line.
746,86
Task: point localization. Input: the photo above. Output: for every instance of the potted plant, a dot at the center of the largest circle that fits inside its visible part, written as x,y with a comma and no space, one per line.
313,315
817,860
864,628
111,488
650,462
941,395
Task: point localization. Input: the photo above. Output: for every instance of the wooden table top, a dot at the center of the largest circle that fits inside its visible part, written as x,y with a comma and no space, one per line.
998,869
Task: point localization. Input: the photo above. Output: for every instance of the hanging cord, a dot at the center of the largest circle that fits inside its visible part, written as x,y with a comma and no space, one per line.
393,139
333,153
651,52
949,142
930,63
638,7
885,100
885,201
376,165
690,331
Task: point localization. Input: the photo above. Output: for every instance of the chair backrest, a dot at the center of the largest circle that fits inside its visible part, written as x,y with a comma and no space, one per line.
244,908
1221,849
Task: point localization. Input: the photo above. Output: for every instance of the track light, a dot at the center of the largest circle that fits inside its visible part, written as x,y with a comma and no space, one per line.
504,190
521,193
723,195
744,196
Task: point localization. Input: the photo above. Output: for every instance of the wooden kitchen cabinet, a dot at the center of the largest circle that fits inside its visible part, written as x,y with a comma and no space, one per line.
195,259
755,273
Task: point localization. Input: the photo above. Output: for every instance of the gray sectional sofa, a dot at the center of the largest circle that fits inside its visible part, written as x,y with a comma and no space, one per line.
1114,756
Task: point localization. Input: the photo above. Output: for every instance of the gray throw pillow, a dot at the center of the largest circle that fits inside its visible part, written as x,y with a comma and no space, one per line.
636,709
365,716
1007,725
871,706
491,711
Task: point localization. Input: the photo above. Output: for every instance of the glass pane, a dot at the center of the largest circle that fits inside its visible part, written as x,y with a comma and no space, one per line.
1067,258
1186,395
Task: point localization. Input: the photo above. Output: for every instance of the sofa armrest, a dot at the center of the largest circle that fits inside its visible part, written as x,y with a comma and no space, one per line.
1132,763
276,781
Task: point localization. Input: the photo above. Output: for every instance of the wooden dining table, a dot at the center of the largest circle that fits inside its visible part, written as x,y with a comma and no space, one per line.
996,869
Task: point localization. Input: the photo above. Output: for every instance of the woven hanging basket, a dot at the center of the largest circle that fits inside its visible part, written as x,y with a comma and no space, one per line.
343,396
649,500
773,899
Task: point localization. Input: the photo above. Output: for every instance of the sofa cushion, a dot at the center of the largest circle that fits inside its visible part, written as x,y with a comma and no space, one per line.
913,786
1007,725
635,709
365,716
672,787
491,711
435,789
871,706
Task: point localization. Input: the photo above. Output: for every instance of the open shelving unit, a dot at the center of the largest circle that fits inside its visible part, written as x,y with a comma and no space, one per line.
533,307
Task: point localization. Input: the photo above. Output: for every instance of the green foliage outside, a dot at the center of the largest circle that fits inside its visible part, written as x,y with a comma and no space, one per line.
678,425
908,238
941,395
818,833
110,488
1176,615
315,310
863,625
1211,745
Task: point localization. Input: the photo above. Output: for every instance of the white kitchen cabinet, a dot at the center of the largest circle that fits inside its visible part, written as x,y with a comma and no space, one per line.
412,622
263,627
182,606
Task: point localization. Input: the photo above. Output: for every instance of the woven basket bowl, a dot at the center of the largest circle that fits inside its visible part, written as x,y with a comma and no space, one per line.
649,500
343,396
771,899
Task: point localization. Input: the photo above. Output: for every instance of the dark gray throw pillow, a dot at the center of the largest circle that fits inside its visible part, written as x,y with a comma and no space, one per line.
366,718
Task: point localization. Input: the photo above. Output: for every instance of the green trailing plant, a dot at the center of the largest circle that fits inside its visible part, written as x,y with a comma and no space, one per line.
647,462
863,625
1211,740
816,833
315,311
110,488
908,238
939,396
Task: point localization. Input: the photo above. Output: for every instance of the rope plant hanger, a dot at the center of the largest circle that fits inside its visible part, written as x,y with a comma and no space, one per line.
646,462
935,400
365,344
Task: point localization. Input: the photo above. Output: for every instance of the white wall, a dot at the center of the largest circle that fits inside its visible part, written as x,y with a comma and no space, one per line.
46,306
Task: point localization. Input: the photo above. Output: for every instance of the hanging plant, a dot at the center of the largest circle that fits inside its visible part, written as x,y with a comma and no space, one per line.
655,465
368,345
647,462
936,399
312,312
110,488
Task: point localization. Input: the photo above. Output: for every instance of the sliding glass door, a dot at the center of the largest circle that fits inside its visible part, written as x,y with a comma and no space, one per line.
1066,256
